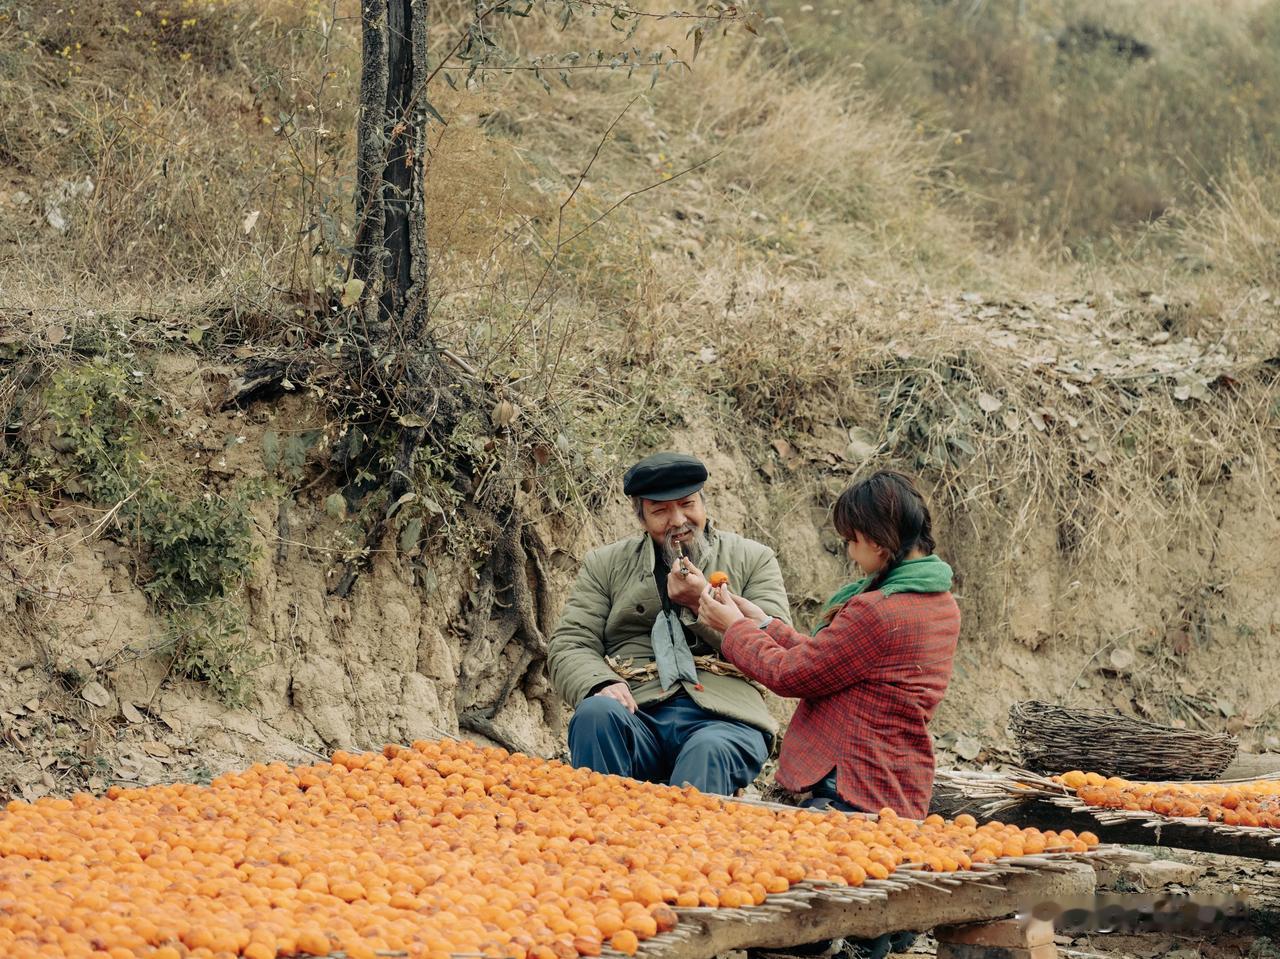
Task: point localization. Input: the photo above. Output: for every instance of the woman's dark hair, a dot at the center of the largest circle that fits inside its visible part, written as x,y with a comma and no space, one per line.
887,509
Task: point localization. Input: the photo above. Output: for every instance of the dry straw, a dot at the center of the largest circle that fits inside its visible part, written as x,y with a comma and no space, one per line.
1054,739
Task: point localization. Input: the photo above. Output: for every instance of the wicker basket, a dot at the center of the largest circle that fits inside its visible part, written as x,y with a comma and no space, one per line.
1053,739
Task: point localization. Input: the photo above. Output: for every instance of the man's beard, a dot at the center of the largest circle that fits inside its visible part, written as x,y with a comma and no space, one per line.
695,549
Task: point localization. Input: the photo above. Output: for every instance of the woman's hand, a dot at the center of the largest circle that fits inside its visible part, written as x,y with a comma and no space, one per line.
748,608
718,609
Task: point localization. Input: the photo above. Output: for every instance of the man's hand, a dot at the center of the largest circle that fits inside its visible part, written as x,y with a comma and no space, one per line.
622,693
686,590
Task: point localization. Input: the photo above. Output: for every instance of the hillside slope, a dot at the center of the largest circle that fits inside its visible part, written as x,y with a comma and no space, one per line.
770,267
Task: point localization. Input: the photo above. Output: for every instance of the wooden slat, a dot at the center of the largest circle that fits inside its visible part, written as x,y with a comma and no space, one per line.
918,908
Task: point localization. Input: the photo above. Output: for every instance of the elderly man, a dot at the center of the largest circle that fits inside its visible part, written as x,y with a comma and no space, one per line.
635,602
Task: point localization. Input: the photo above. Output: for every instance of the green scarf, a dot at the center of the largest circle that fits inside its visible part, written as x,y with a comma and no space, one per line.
928,574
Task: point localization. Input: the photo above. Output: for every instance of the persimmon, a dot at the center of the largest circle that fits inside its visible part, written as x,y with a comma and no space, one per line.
1255,803
625,942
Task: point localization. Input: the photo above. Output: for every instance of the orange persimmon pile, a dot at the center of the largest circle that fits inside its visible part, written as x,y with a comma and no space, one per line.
433,850
1234,804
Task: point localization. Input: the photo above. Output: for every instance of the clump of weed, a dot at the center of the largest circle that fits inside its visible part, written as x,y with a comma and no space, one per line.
87,439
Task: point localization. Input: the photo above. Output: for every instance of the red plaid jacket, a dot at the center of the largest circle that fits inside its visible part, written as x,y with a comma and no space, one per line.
869,684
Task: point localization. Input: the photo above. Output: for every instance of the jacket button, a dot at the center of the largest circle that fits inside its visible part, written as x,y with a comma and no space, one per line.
639,607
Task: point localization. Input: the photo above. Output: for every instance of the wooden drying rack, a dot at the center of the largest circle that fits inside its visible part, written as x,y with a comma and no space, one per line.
1027,799
911,899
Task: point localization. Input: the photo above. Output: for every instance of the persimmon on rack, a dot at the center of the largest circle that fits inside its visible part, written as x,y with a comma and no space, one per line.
438,849
1254,803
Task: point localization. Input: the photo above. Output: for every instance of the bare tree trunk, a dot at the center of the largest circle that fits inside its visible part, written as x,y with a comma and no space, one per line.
398,359
402,367
391,254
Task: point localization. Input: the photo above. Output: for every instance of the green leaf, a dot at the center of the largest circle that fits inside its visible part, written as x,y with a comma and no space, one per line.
271,449
335,505
435,114
410,535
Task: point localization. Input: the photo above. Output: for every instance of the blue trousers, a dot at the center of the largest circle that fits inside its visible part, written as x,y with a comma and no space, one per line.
675,741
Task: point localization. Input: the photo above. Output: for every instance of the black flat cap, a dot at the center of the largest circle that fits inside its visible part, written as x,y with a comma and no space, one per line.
665,476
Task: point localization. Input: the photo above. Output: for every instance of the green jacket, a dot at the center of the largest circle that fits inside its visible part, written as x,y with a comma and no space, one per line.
611,612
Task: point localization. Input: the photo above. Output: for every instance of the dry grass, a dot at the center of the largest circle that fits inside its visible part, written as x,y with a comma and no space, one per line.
804,281
1062,138
1237,230
181,120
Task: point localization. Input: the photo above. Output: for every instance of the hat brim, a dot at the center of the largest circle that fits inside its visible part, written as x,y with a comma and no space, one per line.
676,492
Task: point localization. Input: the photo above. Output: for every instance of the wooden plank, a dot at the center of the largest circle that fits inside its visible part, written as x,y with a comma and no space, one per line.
917,908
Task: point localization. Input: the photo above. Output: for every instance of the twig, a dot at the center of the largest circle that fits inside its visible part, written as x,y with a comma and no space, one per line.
636,193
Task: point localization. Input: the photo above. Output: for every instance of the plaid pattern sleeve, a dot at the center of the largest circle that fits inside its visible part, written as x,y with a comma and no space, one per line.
804,667
869,684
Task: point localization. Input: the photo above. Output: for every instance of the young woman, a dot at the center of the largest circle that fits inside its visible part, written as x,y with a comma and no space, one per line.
873,672
869,678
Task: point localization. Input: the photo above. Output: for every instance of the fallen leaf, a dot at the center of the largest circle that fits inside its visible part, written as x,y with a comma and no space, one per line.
156,749
862,445
988,403
504,412
32,705
250,221
1011,420
131,712
95,693
1122,659
55,335
967,747
351,292
406,498
1226,707
783,449
1037,420
708,354
563,561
